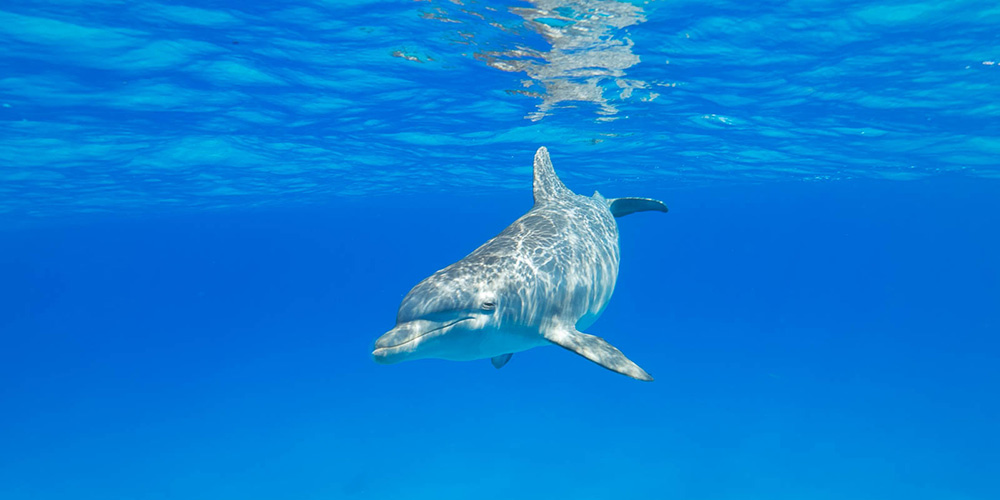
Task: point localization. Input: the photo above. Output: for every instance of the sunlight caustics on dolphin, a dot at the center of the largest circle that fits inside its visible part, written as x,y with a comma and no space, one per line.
540,281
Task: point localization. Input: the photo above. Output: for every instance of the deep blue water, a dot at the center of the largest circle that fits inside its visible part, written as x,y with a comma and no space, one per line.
208,212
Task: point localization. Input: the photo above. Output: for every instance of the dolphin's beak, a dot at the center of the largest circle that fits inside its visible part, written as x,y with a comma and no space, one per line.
400,335
394,345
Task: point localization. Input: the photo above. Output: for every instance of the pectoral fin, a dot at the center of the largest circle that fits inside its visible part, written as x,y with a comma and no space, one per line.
597,350
499,361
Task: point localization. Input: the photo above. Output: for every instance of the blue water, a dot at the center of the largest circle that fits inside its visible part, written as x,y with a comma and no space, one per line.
210,210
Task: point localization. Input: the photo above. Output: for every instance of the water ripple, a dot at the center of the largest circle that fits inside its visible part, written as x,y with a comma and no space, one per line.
138,107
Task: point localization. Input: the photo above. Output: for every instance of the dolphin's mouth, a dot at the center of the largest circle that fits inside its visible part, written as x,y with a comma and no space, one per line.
399,345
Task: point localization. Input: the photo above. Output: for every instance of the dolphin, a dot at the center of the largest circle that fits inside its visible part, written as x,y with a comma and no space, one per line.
540,281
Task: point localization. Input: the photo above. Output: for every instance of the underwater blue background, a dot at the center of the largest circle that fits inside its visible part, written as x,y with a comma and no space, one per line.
209,211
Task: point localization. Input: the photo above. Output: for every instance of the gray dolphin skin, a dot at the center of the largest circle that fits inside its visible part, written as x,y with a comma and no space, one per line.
544,278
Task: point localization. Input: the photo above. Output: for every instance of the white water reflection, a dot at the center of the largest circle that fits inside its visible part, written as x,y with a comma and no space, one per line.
588,57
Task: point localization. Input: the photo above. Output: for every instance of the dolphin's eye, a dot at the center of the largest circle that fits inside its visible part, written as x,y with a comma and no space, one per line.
489,306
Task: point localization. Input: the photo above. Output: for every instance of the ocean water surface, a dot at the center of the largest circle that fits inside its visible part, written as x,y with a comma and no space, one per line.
210,210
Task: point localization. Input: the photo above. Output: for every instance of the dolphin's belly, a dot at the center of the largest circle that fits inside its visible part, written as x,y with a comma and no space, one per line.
487,344
588,319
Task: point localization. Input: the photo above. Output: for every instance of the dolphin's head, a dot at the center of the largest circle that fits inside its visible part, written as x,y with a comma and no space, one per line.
442,317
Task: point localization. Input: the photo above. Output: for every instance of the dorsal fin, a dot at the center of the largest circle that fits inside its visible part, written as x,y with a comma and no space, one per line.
547,185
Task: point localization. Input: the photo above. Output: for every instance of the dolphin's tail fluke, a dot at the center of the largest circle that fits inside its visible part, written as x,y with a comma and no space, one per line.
621,207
